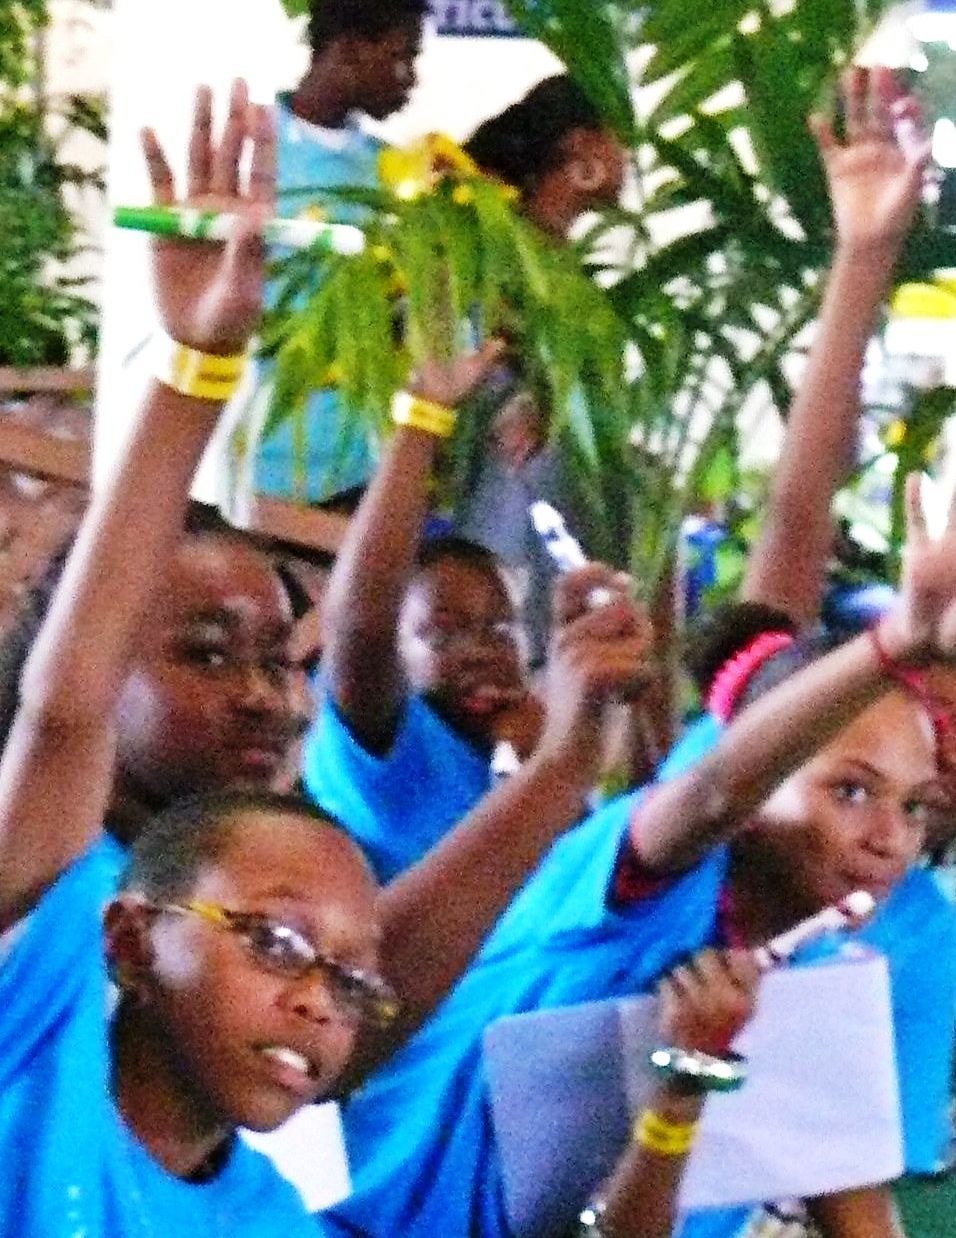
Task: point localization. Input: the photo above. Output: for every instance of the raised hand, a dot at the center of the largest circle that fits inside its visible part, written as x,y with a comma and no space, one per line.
923,622
598,656
450,382
706,1003
210,294
876,173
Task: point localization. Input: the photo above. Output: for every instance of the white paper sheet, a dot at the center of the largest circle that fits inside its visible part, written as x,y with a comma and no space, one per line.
819,1113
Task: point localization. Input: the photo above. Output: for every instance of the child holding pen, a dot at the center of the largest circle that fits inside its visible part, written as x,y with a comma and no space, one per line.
243,941
603,916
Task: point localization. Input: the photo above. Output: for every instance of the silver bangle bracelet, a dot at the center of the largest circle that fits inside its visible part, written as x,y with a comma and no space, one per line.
700,1072
590,1221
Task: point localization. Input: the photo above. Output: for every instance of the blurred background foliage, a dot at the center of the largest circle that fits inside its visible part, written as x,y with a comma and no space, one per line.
46,316
712,273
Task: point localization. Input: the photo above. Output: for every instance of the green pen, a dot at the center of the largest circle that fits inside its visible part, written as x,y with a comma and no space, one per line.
197,225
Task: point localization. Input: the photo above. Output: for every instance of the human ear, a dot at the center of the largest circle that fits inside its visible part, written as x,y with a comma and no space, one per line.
129,947
587,169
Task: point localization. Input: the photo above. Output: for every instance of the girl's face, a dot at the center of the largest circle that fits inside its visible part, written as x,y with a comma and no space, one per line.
460,644
229,1025
212,700
855,817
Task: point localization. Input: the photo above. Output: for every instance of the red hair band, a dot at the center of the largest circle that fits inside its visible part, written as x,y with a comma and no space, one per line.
734,675
938,711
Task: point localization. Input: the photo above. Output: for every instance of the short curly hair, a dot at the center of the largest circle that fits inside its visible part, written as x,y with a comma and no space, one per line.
164,861
524,142
367,19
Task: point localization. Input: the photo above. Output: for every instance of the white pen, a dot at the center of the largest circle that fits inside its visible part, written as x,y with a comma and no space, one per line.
850,913
565,550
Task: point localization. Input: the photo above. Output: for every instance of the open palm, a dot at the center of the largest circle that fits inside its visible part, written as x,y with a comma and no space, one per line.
876,173
210,294
923,623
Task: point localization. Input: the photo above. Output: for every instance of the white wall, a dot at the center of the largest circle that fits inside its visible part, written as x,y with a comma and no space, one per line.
162,50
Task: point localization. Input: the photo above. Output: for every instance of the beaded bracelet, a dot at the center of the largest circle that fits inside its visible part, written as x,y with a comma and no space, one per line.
424,415
204,376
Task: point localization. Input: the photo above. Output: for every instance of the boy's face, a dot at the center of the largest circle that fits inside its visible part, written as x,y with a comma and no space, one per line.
460,644
383,70
252,1043
212,700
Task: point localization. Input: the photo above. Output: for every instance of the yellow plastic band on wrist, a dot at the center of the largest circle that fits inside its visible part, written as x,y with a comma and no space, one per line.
204,376
408,410
665,1138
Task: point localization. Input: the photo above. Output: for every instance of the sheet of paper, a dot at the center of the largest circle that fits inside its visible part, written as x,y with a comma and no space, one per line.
309,1151
555,1077
820,1111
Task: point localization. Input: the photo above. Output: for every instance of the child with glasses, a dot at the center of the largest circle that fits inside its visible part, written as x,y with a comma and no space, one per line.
245,937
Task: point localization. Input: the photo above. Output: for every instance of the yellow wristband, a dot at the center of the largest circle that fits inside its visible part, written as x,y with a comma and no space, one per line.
204,376
408,410
665,1138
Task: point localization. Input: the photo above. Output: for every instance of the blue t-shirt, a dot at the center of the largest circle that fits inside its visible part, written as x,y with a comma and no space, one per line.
70,1166
312,159
419,1133
399,805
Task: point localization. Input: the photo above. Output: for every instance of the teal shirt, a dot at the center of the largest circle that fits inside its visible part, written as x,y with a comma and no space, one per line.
338,452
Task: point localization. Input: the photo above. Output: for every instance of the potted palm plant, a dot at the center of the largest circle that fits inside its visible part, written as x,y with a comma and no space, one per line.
677,336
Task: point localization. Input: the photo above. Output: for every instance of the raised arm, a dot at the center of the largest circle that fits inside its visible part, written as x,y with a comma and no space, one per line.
56,771
704,1005
376,561
875,178
685,818
600,656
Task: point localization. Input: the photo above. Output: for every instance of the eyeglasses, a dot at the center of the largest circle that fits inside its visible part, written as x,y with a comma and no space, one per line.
450,638
361,996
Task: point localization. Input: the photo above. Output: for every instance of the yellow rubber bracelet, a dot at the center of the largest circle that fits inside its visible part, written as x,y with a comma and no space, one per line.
665,1138
436,419
204,376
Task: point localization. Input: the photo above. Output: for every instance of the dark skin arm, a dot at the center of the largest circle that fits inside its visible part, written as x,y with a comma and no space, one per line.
869,1213
703,1006
56,772
475,870
875,185
376,561
782,730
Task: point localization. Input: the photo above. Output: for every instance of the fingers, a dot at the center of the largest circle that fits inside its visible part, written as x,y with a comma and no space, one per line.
479,364
224,158
706,1002
916,531
262,172
199,163
883,90
855,98
874,108
493,350
616,620
743,969
160,175
573,590
822,130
